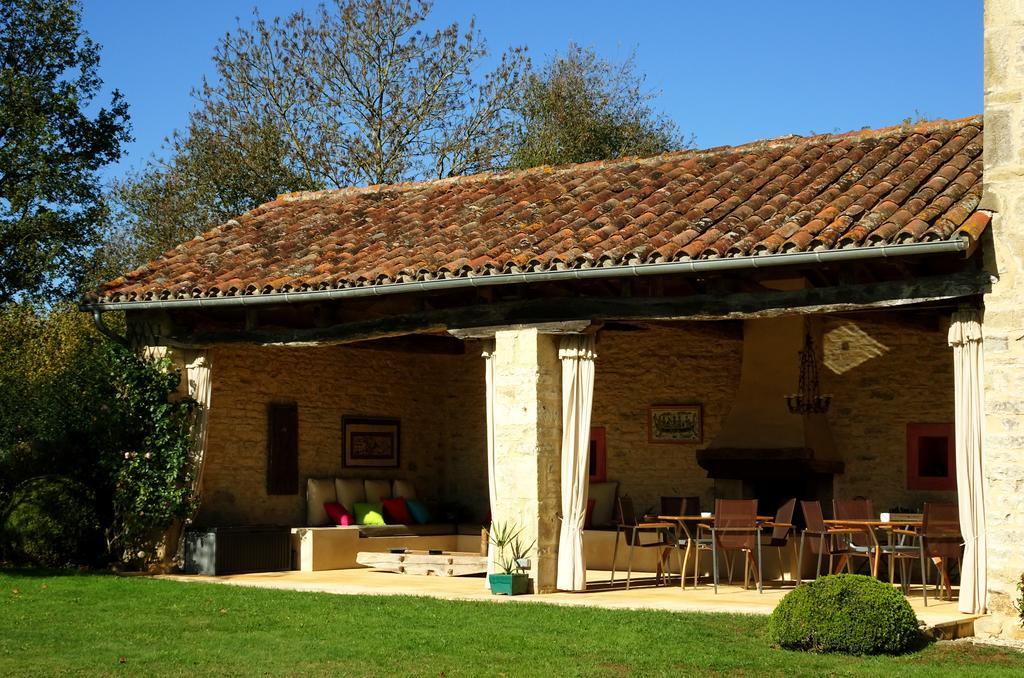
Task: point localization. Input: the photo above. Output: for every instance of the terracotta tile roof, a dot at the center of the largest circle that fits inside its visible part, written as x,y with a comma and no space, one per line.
891,186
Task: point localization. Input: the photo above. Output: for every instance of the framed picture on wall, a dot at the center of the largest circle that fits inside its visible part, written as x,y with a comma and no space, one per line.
370,442
675,424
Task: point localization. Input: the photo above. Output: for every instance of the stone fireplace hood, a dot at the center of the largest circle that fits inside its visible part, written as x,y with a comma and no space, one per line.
759,437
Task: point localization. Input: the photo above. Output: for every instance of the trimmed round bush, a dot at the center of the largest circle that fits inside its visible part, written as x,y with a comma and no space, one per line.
51,521
847,613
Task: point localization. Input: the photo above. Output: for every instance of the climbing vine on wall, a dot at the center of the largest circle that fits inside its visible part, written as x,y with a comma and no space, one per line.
152,486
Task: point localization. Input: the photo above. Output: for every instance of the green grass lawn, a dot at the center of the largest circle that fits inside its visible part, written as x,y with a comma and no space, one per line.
101,624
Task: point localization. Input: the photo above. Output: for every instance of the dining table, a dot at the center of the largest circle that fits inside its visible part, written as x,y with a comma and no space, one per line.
688,524
872,527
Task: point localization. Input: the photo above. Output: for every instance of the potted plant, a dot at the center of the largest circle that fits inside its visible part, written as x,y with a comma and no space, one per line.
511,558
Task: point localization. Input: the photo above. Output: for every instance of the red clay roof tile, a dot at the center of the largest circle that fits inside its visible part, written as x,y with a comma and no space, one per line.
895,185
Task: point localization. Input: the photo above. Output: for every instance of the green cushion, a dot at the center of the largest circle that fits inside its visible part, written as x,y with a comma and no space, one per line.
369,514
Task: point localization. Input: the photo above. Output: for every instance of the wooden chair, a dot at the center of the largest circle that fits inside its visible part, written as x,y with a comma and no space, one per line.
821,539
633,529
781,530
735,529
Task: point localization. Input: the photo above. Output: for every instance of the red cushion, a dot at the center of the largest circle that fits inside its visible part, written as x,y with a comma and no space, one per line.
338,514
589,517
396,512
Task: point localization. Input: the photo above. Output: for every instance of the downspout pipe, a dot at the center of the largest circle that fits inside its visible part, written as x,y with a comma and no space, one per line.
701,266
97,320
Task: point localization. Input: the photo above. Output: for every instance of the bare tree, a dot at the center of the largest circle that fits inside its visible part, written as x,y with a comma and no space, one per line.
356,94
361,94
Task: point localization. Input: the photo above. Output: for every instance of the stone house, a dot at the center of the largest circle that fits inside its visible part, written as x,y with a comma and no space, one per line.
687,283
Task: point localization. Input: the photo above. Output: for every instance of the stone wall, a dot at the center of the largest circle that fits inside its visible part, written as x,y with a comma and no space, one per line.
692,363
1004,317
884,373
439,400
527,432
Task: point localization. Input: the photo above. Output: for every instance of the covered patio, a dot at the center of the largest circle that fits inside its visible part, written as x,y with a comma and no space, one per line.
641,324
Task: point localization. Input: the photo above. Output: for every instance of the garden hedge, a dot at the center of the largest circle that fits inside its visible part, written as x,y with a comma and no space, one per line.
51,521
846,613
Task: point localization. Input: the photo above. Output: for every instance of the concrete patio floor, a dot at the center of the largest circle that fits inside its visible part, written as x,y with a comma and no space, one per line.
941,616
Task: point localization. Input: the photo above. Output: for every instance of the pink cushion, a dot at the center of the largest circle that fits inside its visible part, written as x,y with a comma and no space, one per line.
338,514
396,511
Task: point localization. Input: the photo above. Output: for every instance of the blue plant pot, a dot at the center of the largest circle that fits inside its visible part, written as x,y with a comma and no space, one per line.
509,584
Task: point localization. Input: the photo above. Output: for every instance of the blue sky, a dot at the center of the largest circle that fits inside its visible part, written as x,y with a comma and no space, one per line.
728,71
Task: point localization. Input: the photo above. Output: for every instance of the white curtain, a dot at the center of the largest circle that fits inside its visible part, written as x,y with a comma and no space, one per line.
199,386
492,476
965,336
577,355
200,389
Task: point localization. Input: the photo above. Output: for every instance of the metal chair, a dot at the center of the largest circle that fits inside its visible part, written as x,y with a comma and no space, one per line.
633,529
781,530
672,506
735,529
940,541
862,543
823,540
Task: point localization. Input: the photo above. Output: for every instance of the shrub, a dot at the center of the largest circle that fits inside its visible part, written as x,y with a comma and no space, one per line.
846,613
75,404
51,521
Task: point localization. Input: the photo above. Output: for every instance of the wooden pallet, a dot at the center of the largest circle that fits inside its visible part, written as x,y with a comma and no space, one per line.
446,564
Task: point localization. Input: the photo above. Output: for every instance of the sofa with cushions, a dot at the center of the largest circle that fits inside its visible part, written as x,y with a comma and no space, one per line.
347,515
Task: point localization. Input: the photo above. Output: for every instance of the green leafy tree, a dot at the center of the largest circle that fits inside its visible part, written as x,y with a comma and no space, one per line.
207,179
580,107
74,405
50,146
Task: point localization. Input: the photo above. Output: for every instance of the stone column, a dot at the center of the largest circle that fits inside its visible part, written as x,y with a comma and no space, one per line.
528,432
1004,315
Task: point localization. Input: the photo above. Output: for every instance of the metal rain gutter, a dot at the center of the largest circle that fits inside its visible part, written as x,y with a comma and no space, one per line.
697,267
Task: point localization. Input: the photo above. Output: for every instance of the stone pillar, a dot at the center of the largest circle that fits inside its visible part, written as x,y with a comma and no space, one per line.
1004,315
528,432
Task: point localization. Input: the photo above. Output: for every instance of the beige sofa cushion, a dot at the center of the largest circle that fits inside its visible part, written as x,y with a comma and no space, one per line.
318,491
377,490
404,489
350,491
603,495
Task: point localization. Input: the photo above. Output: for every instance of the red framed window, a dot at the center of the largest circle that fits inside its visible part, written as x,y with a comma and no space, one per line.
598,455
931,457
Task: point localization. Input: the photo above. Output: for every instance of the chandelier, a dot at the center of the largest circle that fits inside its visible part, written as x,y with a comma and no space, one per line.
807,399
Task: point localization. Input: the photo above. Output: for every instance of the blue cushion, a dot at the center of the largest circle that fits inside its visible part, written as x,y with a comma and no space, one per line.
419,512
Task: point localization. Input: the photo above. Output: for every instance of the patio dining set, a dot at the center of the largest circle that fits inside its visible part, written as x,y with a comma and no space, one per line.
855,534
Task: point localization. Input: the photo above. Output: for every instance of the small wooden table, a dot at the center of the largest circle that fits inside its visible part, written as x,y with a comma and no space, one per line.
444,564
692,545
